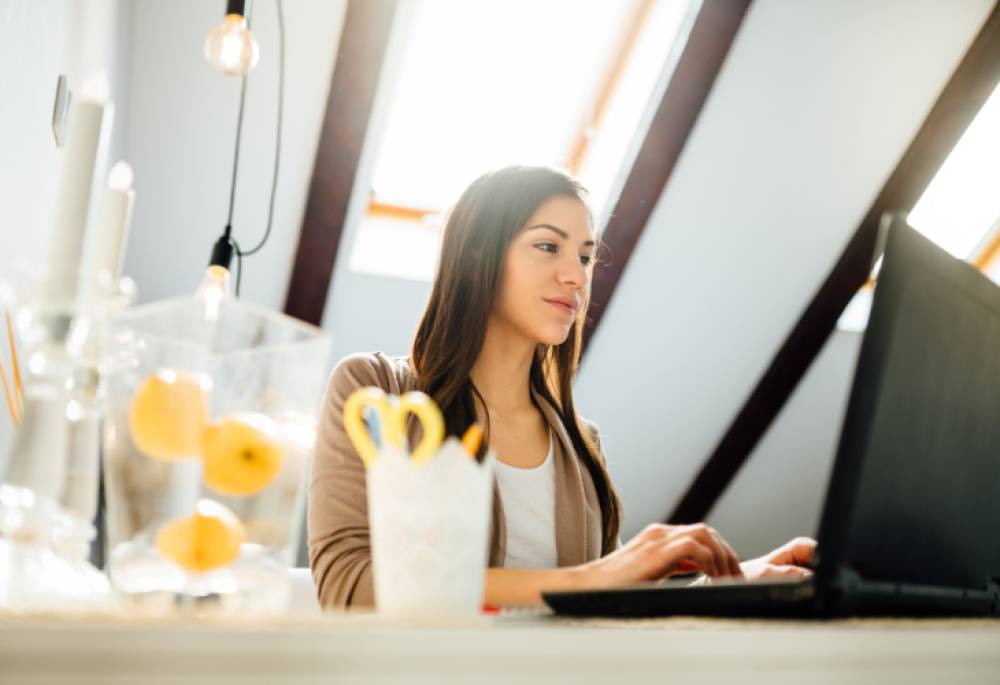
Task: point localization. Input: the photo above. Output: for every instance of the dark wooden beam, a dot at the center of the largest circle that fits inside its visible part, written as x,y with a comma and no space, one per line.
970,86
708,43
363,42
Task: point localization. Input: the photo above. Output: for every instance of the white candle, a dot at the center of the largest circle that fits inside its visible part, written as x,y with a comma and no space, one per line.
89,118
111,231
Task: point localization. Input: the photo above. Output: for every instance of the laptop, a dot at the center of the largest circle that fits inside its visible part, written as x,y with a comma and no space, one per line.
911,522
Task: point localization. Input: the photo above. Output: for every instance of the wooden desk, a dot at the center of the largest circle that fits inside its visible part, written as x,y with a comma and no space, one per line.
365,648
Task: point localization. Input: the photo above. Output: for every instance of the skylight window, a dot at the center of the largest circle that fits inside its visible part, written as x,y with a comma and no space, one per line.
610,142
488,83
960,210
962,203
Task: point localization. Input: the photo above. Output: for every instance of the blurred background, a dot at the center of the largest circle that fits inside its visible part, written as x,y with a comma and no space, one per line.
808,115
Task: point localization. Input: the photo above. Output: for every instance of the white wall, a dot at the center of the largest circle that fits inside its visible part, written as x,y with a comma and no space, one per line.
40,39
780,490
182,134
812,109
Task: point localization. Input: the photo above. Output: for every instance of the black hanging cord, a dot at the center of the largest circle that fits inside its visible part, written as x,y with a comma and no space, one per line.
236,154
277,138
239,263
227,233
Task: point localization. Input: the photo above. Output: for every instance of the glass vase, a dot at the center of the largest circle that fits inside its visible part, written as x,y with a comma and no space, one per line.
207,438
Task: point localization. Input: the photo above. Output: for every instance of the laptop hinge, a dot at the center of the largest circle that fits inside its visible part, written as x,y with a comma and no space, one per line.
847,579
849,584
993,590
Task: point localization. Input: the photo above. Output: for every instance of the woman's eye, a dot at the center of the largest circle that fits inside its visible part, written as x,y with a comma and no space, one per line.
553,248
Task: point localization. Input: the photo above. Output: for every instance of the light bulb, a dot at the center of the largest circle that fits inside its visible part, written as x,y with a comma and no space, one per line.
213,291
230,47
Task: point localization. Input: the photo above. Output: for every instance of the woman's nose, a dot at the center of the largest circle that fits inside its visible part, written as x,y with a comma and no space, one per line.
573,272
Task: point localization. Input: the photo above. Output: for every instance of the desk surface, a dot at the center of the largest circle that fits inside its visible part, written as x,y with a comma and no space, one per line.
366,648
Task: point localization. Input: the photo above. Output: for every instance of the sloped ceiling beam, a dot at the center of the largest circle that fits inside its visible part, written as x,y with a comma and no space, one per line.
971,84
363,42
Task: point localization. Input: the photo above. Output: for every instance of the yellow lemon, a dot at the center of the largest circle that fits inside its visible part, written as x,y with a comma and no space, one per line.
168,413
209,539
241,453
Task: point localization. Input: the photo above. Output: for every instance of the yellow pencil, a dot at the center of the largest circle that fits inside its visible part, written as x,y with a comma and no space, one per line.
18,387
470,441
6,393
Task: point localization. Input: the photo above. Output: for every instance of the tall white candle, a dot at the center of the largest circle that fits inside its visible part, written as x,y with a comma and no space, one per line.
111,231
90,116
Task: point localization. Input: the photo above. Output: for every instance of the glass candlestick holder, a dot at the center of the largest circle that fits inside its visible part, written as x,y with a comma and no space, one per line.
49,471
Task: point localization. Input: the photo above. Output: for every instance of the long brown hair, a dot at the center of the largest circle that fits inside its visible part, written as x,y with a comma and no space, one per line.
487,217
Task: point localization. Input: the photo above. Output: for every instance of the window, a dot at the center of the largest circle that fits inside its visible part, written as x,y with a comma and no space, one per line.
960,210
487,83
960,207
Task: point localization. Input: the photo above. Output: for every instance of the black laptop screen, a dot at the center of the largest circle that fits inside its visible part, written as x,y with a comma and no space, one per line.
922,431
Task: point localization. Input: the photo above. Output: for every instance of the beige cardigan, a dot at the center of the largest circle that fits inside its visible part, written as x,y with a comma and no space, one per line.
339,552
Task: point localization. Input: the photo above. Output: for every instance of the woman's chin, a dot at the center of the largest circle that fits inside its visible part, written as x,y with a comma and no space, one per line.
554,335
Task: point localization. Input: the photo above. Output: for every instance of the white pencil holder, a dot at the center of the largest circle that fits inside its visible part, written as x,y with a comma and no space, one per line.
429,527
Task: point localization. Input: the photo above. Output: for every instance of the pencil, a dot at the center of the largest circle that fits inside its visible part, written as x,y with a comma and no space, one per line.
470,441
18,386
11,409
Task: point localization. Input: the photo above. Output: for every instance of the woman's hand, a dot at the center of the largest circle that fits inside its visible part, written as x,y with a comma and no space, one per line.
659,551
791,560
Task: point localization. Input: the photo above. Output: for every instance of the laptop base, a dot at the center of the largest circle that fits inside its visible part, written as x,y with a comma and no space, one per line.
760,600
851,595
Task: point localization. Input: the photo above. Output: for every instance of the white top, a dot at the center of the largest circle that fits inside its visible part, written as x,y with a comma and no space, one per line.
529,507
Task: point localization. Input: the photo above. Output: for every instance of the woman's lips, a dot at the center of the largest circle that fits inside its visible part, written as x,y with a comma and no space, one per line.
563,307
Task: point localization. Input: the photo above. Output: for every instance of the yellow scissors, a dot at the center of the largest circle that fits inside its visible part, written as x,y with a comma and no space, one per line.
392,412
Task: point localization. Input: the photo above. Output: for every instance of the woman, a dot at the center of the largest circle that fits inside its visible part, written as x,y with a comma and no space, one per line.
499,343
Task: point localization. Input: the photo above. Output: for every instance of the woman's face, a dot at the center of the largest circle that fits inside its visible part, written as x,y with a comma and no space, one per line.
547,271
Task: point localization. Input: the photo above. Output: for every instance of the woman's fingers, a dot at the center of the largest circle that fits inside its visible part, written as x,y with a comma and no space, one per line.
785,571
788,571
706,538
803,551
726,560
799,552
688,547
668,547
661,549
732,560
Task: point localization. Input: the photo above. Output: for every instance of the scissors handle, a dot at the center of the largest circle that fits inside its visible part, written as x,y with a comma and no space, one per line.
392,417
427,412
354,412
